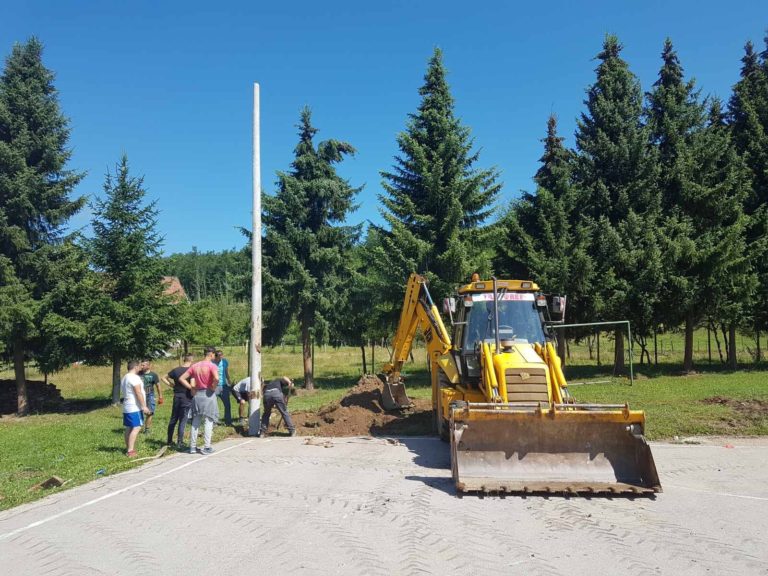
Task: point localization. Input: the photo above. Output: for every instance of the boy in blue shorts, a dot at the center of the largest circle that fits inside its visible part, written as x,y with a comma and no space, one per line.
134,405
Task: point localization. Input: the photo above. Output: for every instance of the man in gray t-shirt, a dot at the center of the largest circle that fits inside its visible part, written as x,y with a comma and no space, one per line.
242,392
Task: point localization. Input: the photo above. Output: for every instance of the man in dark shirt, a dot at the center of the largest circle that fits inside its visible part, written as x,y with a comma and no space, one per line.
182,398
272,393
151,383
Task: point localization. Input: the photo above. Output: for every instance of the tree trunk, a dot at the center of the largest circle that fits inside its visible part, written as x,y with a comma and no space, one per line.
724,332
732,364
618,356
115,379
561,346
362,351
22,403
758,351
373,354
688,352
717,342
598,348
306,352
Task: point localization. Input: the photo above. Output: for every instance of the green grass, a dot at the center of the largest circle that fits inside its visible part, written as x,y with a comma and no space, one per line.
674,404
87,443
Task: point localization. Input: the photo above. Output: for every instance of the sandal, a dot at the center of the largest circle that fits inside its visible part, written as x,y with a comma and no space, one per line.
132,454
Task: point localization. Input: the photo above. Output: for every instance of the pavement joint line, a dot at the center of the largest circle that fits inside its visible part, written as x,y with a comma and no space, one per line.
762,498
37,523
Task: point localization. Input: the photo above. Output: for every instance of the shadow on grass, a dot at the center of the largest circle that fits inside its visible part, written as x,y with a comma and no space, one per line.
80,405
111,449
575,372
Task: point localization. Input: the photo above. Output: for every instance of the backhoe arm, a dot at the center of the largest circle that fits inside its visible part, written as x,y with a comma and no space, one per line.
419,311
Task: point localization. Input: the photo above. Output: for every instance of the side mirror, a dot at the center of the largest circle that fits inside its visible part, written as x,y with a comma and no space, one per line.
449,306
558,305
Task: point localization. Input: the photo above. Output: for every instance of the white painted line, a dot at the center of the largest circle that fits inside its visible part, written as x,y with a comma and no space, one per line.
116,492
667,485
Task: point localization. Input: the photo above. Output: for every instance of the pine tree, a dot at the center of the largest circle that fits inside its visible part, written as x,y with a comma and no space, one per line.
435,200
544,237
615,165
616,177
717,208
306,246
70,289
35,189
133,317
748,117
677,118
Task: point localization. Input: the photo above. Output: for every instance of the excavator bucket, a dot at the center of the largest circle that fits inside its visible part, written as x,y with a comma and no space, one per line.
512,449
393,396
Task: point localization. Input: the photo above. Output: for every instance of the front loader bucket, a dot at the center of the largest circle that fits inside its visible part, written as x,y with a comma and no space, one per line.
393,396
545,451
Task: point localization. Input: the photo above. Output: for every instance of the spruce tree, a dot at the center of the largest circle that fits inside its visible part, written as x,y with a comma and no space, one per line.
35,188
306,246
544,236
615,167
677,118
616,177
70,289
436,201
133,316
748,118
717,209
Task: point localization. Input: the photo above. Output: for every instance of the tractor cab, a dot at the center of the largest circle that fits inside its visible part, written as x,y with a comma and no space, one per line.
473,314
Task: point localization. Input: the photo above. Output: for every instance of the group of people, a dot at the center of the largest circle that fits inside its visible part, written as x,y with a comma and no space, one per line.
197,386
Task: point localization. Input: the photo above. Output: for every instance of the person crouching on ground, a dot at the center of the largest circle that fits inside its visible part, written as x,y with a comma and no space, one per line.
204,404
272,393
134,406
242,392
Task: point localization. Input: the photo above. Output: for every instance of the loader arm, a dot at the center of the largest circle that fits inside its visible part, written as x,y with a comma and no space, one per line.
418,312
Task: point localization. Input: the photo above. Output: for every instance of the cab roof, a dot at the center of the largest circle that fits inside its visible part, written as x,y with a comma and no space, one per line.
487,286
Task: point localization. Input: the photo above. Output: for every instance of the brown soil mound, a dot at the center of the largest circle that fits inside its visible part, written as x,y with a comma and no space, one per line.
749,408
42,397
359,413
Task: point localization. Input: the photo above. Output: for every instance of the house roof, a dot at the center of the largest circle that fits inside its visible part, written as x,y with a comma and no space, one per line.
174,288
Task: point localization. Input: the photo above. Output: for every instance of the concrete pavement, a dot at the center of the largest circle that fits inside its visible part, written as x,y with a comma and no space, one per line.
368,506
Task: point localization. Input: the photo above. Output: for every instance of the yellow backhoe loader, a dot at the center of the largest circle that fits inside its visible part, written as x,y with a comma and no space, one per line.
500,397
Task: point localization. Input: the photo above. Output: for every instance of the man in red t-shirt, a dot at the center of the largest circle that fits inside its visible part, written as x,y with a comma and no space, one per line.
203,376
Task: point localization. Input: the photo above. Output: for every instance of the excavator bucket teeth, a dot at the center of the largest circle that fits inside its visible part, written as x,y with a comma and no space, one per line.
393,396
577,453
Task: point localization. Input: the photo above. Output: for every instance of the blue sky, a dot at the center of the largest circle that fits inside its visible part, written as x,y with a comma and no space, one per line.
170,84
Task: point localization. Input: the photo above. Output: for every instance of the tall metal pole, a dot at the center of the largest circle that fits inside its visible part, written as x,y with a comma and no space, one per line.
255,341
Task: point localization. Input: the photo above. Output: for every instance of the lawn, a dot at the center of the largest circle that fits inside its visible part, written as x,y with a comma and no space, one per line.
87,443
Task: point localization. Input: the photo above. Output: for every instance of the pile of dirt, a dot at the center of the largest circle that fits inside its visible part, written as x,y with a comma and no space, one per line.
359,413
42,397
753,409
745,416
